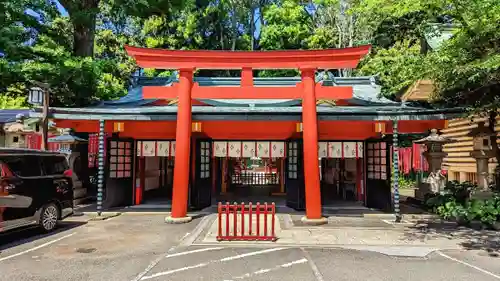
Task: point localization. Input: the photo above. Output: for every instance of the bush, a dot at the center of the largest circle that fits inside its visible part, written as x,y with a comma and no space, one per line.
460,191
405,183
486,211
454,204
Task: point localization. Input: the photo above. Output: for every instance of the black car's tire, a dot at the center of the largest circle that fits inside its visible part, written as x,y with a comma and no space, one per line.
49,217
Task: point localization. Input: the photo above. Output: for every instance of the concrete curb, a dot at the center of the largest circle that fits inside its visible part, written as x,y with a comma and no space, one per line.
103,216
422,216
149,213
94,214
198,231
405,216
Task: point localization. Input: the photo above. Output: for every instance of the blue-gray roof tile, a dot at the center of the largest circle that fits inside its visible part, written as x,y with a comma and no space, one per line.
365,90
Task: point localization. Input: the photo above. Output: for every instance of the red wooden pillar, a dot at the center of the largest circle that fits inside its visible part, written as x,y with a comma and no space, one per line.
182,149
142,181
359,178
310,136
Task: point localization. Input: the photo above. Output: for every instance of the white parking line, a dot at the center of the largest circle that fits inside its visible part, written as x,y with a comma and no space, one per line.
312,264
185,235
151,265
37,247
469,265
251,254
267,270
212,262
193,252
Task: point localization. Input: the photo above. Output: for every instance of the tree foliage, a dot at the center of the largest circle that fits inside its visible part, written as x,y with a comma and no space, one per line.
397,67
81,55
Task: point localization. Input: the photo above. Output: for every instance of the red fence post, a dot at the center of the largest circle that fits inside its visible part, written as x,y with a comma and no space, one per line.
227,220
242,219
219,208
265,219
240,209
235,220
250,220
257,213
273,210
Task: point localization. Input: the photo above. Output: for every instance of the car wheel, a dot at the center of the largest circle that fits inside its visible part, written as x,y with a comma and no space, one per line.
49,217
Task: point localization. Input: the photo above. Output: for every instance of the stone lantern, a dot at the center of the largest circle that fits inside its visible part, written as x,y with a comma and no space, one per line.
434,154
482,152
77,151
66,139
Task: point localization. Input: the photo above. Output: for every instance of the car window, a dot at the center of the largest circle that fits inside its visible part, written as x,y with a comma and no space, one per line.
23,166
55,165
5,173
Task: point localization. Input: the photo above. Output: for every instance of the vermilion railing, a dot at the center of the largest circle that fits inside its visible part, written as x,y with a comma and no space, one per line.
242,217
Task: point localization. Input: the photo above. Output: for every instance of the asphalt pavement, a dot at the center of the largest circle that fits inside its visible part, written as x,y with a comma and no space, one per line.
143,247
274,264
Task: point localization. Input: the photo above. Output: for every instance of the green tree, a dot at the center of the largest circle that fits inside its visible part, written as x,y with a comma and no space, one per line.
466,70
397,67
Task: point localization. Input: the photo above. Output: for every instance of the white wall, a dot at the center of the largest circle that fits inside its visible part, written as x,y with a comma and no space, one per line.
9,140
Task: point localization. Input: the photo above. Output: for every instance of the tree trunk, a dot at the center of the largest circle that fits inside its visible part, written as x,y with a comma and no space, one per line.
234,26
83,15
222,44
252,26
84,40
496,149
261,21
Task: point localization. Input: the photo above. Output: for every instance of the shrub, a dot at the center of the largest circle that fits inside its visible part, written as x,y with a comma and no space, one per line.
454,204
459,191
405,183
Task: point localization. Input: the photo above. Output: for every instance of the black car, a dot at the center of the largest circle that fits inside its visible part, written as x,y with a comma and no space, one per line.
35,188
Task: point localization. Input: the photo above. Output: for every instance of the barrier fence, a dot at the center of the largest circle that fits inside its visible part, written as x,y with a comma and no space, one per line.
243,218
254,178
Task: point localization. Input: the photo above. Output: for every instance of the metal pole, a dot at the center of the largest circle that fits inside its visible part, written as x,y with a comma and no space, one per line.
45,118
395,175
100,175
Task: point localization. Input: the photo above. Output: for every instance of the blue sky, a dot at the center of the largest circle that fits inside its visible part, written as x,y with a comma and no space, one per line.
61,8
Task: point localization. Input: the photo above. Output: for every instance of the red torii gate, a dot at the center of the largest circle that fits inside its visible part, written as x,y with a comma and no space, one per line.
307,61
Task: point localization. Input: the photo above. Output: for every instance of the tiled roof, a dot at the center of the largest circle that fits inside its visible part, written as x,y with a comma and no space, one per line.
366,91
250,113
9,115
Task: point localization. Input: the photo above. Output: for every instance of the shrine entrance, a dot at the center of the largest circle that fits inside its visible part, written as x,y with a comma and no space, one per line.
341,171
154,172
249,171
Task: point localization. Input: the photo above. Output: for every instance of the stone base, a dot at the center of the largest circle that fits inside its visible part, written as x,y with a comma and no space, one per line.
319,221
171,220
422,190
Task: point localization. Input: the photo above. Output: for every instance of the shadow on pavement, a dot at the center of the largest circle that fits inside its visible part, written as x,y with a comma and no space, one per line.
468,238
29,234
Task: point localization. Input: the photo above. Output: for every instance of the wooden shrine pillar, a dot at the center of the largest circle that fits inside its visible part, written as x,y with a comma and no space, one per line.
139,191
310,138
182,150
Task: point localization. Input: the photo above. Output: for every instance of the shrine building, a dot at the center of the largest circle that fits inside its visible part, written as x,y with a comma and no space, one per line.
189,142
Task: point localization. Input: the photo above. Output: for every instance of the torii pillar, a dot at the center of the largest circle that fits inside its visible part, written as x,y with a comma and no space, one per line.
310,139
182,150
